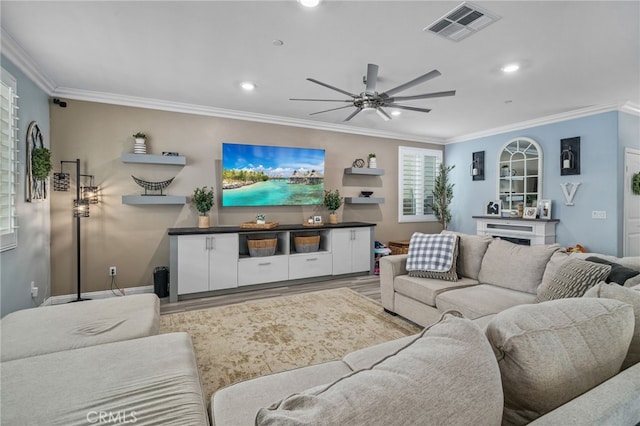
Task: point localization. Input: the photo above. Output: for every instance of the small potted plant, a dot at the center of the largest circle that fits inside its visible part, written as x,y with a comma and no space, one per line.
372,160
332,201
261,218
203,199
140,146
140,137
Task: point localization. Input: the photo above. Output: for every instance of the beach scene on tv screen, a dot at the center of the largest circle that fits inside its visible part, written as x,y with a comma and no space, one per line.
257,175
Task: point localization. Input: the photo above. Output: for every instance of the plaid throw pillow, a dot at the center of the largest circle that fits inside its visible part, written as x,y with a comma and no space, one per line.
433,256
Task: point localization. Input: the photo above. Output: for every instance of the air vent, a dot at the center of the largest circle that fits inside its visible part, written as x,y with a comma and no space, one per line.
462,21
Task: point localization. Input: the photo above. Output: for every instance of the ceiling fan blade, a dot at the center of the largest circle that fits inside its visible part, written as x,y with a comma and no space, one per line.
353,114
372,78
408,84
332,109
322,100
328,86
423,96
407,107
383,114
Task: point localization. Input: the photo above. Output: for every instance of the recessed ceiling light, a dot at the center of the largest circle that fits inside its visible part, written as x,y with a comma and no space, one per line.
309,3
248,86
510,68
277,42
395,113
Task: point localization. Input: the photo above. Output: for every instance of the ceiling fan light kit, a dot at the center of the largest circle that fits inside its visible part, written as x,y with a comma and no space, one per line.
371,100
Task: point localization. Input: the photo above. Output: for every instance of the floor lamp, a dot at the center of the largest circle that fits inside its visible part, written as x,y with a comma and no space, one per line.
85,195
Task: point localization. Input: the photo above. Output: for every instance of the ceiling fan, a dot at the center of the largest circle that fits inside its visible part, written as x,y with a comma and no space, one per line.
372,100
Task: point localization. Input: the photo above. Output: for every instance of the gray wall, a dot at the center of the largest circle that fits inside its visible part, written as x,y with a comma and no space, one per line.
30,260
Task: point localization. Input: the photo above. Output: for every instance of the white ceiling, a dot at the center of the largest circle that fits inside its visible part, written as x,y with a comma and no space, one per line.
192,56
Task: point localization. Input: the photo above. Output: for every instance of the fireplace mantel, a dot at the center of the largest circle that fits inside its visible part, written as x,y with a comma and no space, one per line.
517,229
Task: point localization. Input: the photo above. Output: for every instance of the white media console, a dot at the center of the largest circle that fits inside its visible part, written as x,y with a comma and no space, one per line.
217,258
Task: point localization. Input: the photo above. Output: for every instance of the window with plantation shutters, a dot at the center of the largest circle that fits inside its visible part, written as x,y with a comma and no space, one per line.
8,161
417,171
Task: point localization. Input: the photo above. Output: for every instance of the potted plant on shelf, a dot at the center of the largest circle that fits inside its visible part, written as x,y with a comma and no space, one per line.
203,199
332,201
140,146
442,195
372,161
261,218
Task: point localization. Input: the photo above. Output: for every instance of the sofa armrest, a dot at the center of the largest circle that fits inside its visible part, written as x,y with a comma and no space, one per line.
390,267
614,402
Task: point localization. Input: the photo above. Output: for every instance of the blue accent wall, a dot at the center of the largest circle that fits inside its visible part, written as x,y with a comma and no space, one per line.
30,261
602,140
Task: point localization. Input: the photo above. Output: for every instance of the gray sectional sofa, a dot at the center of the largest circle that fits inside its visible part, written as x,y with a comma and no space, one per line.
97,362
489,365
493,275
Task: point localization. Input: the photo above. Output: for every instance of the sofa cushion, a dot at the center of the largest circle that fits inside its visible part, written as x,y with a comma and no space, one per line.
626,295
573,278
447,374
480,300
515,266
619,274
425,290
551,352
433,256
471,250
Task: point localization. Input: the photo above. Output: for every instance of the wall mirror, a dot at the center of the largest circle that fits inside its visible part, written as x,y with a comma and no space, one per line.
519,174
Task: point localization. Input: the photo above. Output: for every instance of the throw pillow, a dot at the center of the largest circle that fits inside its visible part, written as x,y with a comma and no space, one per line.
433,256
631,297
619,274
573,278
471,250
447,375
551,352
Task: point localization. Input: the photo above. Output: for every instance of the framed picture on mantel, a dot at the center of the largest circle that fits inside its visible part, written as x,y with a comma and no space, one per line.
530,212
492,208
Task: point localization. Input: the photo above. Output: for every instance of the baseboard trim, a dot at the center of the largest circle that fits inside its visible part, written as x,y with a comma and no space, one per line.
103,294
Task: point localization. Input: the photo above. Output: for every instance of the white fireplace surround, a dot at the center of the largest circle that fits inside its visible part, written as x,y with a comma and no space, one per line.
536,231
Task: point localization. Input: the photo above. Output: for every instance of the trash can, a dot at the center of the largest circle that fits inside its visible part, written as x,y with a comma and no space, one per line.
161,281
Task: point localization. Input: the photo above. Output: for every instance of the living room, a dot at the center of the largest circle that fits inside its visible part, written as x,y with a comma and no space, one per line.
94,120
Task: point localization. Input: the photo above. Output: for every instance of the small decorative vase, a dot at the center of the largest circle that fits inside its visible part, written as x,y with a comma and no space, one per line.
333,218
203,221
261,222
372,163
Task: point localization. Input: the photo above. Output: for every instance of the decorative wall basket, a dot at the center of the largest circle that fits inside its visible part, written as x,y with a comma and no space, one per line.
38,164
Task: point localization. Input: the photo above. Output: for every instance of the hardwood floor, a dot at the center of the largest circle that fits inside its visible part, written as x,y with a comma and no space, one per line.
367,285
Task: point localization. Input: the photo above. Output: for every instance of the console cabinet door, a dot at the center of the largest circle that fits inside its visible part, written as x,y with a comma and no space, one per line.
351,248
207,262
193,264
223,261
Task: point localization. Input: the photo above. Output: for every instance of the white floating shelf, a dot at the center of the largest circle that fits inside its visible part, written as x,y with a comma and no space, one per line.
175,160
154,199
363,171
363,200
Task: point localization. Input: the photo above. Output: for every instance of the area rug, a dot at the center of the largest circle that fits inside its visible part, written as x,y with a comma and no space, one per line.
245,340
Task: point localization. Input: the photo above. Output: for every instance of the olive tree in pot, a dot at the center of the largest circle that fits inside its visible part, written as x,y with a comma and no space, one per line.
442,195
332,201
203,199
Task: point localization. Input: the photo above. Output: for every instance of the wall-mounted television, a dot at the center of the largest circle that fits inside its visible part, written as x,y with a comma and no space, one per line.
259,175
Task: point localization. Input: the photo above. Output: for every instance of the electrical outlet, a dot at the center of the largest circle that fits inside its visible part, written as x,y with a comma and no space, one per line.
598,214
34,289
112,271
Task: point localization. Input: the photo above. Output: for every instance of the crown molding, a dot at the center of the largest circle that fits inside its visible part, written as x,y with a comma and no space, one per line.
627,107
158,104
25,63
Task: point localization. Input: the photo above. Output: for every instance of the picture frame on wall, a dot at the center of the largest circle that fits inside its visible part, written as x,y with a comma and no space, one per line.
544,209
492,208
530,212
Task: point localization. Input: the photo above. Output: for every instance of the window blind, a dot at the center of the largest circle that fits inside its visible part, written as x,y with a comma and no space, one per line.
417,171
8,161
